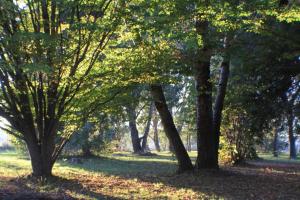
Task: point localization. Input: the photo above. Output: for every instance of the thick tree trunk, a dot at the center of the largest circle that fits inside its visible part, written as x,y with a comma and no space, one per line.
184,161
219,103
147,128
41,157
135,139
155,132
292,140
206,139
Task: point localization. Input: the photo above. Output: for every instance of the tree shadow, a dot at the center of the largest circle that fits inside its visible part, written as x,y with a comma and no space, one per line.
27,188
117,167
243,182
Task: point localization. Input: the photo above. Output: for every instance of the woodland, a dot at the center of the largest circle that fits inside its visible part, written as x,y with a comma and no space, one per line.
150,99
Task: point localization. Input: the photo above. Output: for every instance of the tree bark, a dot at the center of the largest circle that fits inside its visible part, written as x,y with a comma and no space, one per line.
275,143
86,150
135,139
155,133
290,121
86,131
188,142
292,140
206,139
40,157
170,147
219,103
184,161
147,128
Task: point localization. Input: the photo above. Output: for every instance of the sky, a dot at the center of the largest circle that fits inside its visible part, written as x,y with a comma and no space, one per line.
3,137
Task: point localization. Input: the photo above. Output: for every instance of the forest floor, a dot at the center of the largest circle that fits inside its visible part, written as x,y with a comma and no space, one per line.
125,176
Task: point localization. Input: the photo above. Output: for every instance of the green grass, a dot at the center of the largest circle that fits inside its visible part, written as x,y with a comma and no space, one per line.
282,157
122,169
12,164
125,176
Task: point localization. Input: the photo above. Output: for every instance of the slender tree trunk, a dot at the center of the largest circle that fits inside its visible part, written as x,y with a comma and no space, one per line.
275,143
155,132
184,161
290,121
171,148
188,142
292,140
219,104
136,144
86,132
86,150
147,128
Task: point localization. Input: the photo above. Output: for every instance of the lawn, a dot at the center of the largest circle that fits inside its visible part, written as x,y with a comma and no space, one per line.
282,157
125,176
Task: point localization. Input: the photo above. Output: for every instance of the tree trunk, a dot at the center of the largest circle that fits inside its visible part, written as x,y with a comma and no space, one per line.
86,132
206,139
275,143
147,128
184,161
136,145
219,104
188,141
290,119
86,150
155,133
40,157
171,148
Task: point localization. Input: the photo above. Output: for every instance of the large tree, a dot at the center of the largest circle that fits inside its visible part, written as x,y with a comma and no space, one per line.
48,52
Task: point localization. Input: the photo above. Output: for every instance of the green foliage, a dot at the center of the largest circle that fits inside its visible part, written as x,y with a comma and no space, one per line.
19,145
239,139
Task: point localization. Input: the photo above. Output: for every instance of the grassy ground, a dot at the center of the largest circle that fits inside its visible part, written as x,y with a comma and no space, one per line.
125,176
282,157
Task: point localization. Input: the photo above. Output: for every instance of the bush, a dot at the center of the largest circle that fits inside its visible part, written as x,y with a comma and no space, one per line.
237,142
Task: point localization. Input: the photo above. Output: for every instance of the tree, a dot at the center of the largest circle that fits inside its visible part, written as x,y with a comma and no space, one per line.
48,53
184,161
135,138
289,99
155,132
147,127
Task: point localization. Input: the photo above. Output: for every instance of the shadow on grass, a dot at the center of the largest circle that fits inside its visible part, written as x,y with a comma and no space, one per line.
18,189
132,166
230,183
243,182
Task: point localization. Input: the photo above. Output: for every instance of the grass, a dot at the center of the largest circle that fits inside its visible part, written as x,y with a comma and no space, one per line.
282,157
125,176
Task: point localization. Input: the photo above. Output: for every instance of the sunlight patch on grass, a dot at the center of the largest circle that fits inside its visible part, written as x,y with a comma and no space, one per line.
107,176
127,176
13,165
